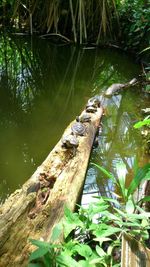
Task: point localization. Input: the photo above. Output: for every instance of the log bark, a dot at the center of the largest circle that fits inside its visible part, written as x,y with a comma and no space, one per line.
133,253
33,210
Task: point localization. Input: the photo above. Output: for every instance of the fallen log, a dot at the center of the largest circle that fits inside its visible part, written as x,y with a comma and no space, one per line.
133,253
33,210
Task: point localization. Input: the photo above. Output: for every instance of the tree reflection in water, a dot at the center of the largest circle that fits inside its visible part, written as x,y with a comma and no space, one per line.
118,142
42,88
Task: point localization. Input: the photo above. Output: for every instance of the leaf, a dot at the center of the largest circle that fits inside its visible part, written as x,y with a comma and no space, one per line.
112,200
107,231
84,263
138,216
83,250
128,225
145,199
144,223
130,207
114,244
121,171
64,259
100,251
141,174
144,50
35,265
40,244
108,174
102,239
141,124
135,165
38,253
71,221
57,230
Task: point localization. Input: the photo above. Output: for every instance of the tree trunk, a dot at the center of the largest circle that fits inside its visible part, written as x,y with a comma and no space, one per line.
33,210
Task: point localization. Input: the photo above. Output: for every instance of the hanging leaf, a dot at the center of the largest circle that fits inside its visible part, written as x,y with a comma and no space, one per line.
57,231
38,253
121,170
104,171
142,173
130,207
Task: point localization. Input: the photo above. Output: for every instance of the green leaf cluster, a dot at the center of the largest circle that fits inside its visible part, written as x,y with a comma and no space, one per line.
92,237
135,24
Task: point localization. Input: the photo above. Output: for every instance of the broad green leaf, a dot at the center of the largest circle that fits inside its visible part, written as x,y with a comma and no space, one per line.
110,230
123,214
38,253
145,199
56,232
84,263
71,222
138,216
83,250
142,211
100,251
68,228
69,246
98,209
40,244
141,123
66,260
139,176
144,223
70,216
133,223
130,207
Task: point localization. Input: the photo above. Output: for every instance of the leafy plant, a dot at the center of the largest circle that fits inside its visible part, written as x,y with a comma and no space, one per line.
93,235
134,21
145,122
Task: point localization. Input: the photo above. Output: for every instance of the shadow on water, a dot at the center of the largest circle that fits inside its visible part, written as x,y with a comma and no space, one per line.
42,88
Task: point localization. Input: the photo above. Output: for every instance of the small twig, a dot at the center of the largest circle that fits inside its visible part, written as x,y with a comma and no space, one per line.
56,34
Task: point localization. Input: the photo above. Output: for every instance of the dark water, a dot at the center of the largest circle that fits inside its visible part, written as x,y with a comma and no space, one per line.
43,87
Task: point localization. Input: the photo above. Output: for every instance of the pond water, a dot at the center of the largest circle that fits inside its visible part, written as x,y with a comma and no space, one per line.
43,87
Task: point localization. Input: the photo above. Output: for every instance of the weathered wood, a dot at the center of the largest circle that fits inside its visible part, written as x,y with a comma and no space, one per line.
32,212
133,254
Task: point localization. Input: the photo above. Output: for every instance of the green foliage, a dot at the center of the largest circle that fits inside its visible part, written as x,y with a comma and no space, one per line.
139,124
127,193
93,235
135,24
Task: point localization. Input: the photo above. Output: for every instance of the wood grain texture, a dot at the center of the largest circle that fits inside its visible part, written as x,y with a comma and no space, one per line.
64,173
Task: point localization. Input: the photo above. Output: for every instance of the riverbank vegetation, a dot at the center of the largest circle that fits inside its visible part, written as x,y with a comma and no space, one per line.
115,23
125,23
92,237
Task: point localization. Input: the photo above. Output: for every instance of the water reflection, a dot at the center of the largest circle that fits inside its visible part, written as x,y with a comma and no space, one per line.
118,142
42,88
